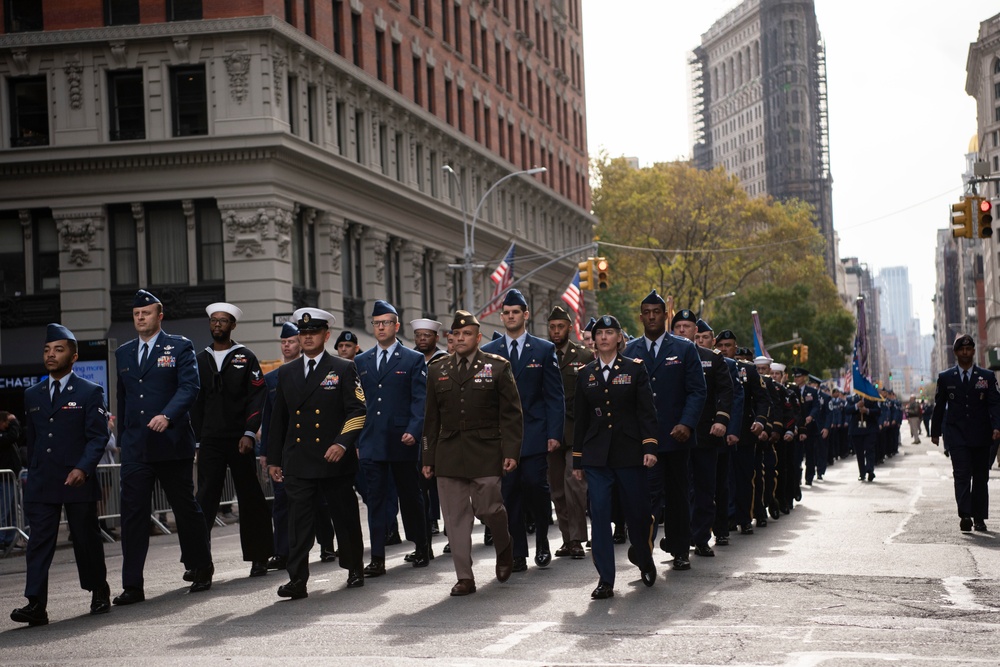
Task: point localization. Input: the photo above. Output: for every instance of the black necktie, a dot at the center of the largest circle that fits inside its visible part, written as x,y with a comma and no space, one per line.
384,360
965,377
513,352
463,368
145,355
607,372
55,391
312,367
652,350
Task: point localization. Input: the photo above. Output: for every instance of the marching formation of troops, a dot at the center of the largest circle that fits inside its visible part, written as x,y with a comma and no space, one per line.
678,430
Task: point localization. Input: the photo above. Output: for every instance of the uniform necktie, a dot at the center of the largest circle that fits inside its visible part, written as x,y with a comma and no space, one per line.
144,356
312,367
463,368
55,391
652,350
513,352
607,372
384,360
965,377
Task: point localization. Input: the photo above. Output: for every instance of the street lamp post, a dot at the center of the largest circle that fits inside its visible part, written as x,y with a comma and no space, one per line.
469,230
701,308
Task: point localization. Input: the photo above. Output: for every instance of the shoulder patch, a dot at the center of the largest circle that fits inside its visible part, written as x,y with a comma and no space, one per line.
637,360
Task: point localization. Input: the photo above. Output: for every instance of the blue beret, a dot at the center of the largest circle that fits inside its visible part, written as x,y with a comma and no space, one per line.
683,316
346,337
143,298
607,322
515,298
383,308
56,332
703,326
654,299
590,325
289,330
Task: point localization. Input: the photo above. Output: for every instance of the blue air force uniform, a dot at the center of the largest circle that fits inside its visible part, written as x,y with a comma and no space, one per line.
862,428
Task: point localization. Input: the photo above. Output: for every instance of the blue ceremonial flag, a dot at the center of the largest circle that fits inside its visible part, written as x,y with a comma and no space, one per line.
758,337
860,379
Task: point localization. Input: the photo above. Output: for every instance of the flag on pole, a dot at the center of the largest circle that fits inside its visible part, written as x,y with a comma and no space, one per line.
573,296
860,378
758,337
503,278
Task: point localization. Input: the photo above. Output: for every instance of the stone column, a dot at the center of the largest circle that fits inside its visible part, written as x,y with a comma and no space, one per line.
84,270
330,227
411,268
373,246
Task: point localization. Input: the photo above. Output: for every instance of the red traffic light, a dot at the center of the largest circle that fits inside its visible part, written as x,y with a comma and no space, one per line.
985,205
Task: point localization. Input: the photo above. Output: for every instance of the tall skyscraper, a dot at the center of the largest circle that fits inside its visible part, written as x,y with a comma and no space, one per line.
760,108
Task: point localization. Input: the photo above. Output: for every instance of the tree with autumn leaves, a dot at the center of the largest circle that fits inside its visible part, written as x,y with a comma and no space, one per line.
697,235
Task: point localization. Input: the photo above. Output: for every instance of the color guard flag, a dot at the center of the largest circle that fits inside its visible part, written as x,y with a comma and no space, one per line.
503,278
860,379
758,337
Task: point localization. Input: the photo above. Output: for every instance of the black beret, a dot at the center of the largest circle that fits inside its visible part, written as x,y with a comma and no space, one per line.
725,334
684,315
965,340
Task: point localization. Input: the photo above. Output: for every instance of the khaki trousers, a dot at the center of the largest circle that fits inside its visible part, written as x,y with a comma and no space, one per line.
569,495
462,501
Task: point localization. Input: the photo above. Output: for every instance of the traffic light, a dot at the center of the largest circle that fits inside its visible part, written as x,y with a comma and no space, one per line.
803,353
961,224
601,267
796,353
984,211
586,273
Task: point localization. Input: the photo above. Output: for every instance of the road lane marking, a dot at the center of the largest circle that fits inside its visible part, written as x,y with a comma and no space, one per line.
515,638
959,596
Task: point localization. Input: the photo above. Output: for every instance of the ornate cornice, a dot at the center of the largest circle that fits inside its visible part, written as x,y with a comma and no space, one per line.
120,163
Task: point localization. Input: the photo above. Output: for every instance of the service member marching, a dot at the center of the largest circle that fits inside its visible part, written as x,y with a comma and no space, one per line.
615,442
67,430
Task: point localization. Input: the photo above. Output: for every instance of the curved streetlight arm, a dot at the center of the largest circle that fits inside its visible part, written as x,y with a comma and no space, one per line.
482,200
461,195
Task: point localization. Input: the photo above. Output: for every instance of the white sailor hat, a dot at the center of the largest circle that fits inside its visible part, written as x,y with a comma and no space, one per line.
775,366
762,361
423,323
307,319
223,307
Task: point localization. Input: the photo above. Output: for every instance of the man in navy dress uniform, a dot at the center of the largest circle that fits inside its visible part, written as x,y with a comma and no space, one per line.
679,393
614,444
543,404
157,386
967,412
864,415
394,379
67,431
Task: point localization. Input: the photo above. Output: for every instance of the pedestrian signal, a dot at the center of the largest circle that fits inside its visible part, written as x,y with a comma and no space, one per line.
961,219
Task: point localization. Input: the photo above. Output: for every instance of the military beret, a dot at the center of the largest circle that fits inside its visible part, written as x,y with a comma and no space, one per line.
223,307
383,308
559,313
590,324
515,298
684,315
726,334
703,326
463,318
799,372
143,298
311,319
965,340
346,337
654,299
743,352
289,330
426,324
607,322
55,332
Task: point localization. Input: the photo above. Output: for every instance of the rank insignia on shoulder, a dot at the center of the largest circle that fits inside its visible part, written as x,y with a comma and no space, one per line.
637,360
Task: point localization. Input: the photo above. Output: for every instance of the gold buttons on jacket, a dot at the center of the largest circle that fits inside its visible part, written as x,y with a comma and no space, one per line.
317,425
298,440
317,410
298,426
297,412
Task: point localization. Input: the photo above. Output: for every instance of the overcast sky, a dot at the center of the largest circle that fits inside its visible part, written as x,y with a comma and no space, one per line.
900,120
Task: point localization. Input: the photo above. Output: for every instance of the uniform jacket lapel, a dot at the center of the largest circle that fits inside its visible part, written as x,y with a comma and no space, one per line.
391,361
661,353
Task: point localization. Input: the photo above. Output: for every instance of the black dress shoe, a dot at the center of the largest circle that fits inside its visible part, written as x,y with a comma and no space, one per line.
543,557
871,477
775,514
603,591
703,550
32,613
188,575
376,568
100,599
576,551
202,579
979,526
619,536
663,544
520,565
130,596
563,551
785,509
798,496
355,579
435,529
487,537
648,573
722,541
746,529
410,557
296,590
423,557
447,548
762,523
327,556
258,568
529,528
277,563
682,563
392,538
965,525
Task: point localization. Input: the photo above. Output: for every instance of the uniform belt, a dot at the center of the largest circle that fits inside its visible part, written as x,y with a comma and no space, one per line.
471,425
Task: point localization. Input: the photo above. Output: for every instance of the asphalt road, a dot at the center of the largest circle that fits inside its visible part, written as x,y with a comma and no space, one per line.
858,574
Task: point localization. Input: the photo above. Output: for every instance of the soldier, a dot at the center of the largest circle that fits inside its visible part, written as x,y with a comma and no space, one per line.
226,418
66,432
679,393
588,336
543,406
426,334
347,346
569,494
808,422
863,415
394,379
836,423
319,412
157,386
472,436
822,427
614,445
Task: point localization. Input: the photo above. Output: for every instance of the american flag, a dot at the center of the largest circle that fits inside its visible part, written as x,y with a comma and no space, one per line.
503,278
573,297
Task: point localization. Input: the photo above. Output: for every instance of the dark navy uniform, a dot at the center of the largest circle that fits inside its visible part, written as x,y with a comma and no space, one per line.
756,409
705,455
862,429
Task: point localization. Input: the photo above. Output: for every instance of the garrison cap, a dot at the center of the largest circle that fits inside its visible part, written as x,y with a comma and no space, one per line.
463,318
965,340
607,322
346,337
312,319
383,308
223,307
515,298
815,380
684,315
55,332
590,324
559,313
289,330
426,324
653,299
144,298
703,326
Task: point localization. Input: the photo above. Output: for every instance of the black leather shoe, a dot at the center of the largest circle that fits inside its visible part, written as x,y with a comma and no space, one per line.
327,556
871,477
258,568
130,596
762,523
619,537
422,558
663,544
979,526
543,557
520,565
435,528
296,590
682,563
355,579
487,537
188,575
965,525
775,514
603,591
277,563
648,574
32,613
393,538
703,550
746,529
798,496
100,600
529,528
576,551
376,568
447,548
410,557
202,579
722,541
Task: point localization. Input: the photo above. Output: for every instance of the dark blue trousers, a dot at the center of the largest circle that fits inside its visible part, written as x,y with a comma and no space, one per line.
971,470
379,475
745,474
669,493
528,487
703,464
634,495
864,449
88,547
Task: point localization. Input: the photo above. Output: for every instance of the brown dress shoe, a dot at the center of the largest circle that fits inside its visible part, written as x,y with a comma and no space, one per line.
505,562
463,587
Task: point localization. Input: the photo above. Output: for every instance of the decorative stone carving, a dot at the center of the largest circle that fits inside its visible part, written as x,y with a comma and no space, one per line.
329,103
139,215
416,258
187,205
378,251
279,64
334,230
20,57
238,68
118,57
73,75
24,215
246,231
79,237
183,49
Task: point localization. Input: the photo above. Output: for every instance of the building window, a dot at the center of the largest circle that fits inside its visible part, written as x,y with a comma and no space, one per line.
352,262
290,12
427,299
127,98
428,14
996,66
383,147
125,267
473,42
211,265
46,259
294,122
400,164
417,93
461,110
12,274
29,113
167,247
303,252
393,272
22,15
307,16
120,12
445,21
449,114
380,55
338,27
359,136
189,101
183,10
356,39
487,127
458,28
475,120
419,159
431,92
397,67
415,8
996,114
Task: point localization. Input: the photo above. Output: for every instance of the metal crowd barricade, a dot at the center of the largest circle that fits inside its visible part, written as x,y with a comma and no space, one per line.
11,508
